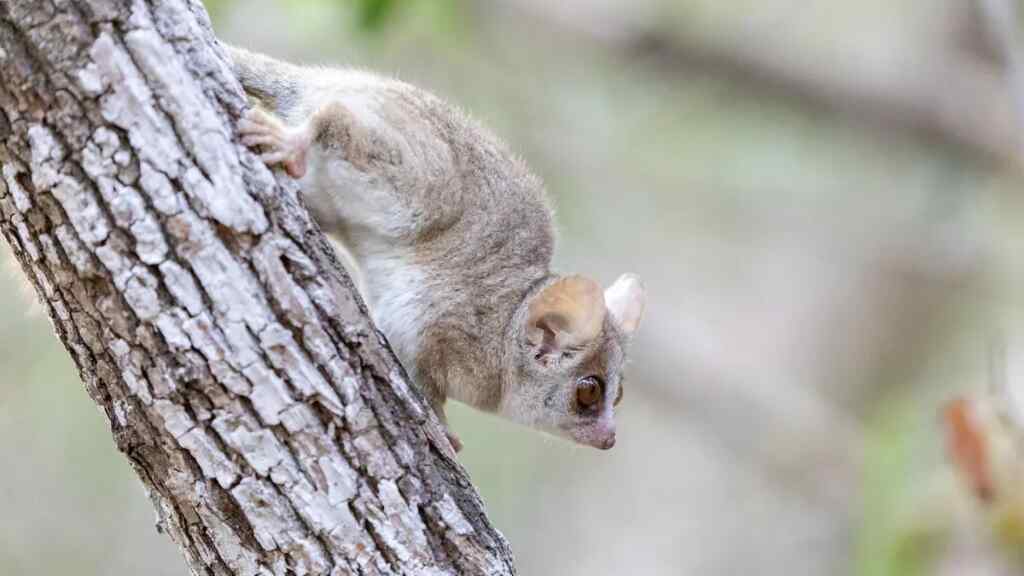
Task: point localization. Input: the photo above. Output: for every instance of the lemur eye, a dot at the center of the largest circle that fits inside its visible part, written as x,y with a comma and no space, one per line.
588,391
618,396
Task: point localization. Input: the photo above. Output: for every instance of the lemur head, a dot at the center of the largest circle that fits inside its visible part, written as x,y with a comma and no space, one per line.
569,357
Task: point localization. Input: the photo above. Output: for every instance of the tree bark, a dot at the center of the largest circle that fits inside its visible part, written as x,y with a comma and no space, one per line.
207,315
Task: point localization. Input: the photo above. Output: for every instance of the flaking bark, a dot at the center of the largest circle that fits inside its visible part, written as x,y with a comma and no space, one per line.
271,425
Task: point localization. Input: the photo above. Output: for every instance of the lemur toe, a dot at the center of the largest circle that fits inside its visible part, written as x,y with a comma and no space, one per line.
256,118
258,139
274,156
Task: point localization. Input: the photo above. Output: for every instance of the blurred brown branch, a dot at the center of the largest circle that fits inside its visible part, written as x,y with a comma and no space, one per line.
951,98
1001,22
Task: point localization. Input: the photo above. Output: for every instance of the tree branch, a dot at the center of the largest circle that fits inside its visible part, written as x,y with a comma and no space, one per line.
1001,23
950,99
206,313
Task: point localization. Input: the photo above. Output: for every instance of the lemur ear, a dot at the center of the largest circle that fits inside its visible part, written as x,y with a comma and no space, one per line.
625,300
567,313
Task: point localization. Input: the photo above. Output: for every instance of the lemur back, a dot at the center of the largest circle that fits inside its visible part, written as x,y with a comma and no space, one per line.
429,178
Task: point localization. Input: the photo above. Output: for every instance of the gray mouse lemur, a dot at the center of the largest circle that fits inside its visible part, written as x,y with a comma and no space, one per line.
453,236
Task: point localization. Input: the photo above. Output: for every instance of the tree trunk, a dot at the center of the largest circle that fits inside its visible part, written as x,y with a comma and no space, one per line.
271,425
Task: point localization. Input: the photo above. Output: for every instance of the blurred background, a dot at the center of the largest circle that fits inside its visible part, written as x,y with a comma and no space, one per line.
825,201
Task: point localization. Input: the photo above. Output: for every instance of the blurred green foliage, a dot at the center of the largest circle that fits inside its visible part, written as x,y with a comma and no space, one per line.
373,14
888,542
370,16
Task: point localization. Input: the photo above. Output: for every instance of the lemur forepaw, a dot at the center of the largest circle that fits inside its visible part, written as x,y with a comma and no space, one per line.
278,143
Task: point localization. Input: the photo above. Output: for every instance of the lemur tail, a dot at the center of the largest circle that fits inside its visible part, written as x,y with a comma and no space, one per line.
272,82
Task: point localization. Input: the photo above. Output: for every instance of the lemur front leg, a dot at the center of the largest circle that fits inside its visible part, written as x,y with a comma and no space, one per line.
280,144
332,129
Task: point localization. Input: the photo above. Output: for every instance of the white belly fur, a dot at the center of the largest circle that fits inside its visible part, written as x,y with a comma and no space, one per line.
394,291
